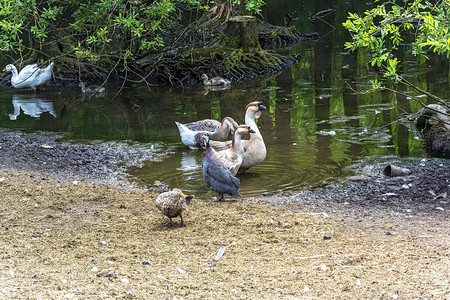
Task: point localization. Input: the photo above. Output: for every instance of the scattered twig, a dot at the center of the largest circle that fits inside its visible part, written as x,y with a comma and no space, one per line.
309,257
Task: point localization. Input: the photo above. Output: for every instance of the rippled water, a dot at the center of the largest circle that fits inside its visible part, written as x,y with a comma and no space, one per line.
319,118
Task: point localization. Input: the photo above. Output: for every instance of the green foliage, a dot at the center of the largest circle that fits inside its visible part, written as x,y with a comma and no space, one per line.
94,27
253,6
91,29
382,29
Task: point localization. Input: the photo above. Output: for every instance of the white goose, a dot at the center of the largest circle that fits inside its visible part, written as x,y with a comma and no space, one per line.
29,76
217,130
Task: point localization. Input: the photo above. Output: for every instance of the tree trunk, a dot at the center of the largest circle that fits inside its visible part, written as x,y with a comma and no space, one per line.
243,32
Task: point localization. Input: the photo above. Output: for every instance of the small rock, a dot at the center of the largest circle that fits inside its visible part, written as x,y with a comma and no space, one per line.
327,237
181,271
146,262
440,208
390,194
356,178
125,280
108,274
94,269
321,267
161,187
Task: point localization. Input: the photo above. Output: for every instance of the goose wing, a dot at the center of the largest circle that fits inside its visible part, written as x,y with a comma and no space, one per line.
27,73
204,125
217,175
230,160
45,74
220,146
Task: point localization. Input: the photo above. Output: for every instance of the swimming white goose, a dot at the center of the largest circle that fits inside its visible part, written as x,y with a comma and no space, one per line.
254,148
90,89
218,130
29,76
215,80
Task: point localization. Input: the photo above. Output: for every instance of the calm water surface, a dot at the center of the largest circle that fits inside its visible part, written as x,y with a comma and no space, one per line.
319,117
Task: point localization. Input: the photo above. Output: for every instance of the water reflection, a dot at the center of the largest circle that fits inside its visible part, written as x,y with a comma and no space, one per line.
31,105
321,114
215,88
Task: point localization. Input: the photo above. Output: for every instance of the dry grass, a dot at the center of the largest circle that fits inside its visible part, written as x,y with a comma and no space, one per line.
88,242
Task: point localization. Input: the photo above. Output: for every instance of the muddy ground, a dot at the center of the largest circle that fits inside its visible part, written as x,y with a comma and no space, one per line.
74,226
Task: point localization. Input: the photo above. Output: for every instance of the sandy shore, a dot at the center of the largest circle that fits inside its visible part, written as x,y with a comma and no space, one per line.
80,231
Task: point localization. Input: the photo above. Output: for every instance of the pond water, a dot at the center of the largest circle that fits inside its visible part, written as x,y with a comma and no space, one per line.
319,116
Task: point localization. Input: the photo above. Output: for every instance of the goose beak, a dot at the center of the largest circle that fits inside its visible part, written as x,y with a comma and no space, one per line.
261,107
4,69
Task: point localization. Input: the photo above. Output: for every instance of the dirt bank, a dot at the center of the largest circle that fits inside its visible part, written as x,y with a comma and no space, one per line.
72,227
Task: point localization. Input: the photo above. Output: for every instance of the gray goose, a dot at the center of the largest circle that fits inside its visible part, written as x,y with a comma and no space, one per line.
217,175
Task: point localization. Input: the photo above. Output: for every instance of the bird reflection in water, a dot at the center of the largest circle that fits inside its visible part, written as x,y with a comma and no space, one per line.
31,105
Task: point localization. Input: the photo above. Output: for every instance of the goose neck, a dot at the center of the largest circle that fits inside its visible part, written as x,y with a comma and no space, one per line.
250,121
14,72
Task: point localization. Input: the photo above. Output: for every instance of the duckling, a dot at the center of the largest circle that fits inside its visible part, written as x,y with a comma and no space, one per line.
218,130
232,158
217,175
173,203
254,148
215,80
29,76
91,89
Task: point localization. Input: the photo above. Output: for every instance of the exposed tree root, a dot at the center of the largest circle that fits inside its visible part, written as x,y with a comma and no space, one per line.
229,63
435,131
202,47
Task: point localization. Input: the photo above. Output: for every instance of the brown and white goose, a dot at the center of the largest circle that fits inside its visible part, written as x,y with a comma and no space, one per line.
254,148
233,157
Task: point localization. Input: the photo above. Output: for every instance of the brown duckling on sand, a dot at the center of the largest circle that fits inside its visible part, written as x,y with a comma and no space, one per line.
173,203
